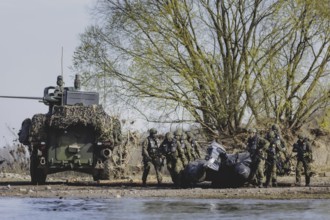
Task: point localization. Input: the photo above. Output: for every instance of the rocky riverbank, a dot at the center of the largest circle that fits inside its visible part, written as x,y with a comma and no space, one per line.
14,185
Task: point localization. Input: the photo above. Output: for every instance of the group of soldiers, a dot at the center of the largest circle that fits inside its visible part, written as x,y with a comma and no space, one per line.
266,152
180,148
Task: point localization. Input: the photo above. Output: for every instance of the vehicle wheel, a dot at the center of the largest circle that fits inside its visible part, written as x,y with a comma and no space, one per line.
107,169
38,175
37,128
96,177
23,134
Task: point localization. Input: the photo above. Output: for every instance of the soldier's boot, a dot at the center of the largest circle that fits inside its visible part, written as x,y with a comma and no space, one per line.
298,181
144,179
159,179
252,181
308,180
267,185
274,184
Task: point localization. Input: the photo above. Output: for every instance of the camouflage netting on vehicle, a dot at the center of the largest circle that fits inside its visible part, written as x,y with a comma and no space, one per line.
38,128
106,127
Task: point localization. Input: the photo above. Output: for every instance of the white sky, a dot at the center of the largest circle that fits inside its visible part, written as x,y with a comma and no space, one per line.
33,33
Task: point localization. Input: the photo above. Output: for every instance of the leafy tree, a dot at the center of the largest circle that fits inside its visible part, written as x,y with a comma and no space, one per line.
295,81
218,62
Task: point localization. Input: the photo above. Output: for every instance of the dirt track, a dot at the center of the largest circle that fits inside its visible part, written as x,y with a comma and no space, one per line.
85,188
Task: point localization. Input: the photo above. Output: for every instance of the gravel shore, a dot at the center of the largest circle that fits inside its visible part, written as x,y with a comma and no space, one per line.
12,186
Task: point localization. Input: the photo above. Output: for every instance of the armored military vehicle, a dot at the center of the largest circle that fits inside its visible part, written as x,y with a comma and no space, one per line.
75,134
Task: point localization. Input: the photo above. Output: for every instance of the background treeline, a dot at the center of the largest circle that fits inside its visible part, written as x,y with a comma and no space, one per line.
223,65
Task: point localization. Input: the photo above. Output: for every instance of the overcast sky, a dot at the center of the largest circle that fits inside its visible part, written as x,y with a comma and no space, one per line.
33,33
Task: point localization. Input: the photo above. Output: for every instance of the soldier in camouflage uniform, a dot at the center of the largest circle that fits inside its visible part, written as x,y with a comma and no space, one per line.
273,155
178,135
196,154
175,158
151,156
304,152
186,147
257,146
278,135
59,89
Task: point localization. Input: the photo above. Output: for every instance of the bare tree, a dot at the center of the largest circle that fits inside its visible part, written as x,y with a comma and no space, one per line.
295,74
220,61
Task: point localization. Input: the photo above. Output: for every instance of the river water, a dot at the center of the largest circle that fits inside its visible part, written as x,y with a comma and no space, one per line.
161,208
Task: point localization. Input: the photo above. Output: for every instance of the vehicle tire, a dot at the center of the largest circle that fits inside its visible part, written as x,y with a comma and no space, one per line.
38,176
106,174
96,176
38,128
23,134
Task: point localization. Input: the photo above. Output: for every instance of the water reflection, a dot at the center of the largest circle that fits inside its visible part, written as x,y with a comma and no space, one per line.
154,208
247,209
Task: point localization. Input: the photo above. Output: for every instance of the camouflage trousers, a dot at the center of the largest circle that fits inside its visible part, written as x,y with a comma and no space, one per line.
257,171
146,168
302,164
271,172
175,168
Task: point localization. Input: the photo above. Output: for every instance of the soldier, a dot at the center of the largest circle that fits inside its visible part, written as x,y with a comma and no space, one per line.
58,91
273,154
277,132
60,84
194,145
151,156
186,147
175,158
304,152
54,98
178,134
256,146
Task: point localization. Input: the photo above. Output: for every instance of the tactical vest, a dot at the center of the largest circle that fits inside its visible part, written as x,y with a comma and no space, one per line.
301,149
253,145
152,147
170,149
193,144
184,147
272,150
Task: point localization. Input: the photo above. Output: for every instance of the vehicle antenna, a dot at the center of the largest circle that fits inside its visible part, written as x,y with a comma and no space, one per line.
62,62
62,74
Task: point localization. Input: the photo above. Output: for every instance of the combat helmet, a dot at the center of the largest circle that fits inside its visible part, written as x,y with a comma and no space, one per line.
183,136
153,131
252,130
59,80
169,136
272,134
190,134
275,127
178,132
300,136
